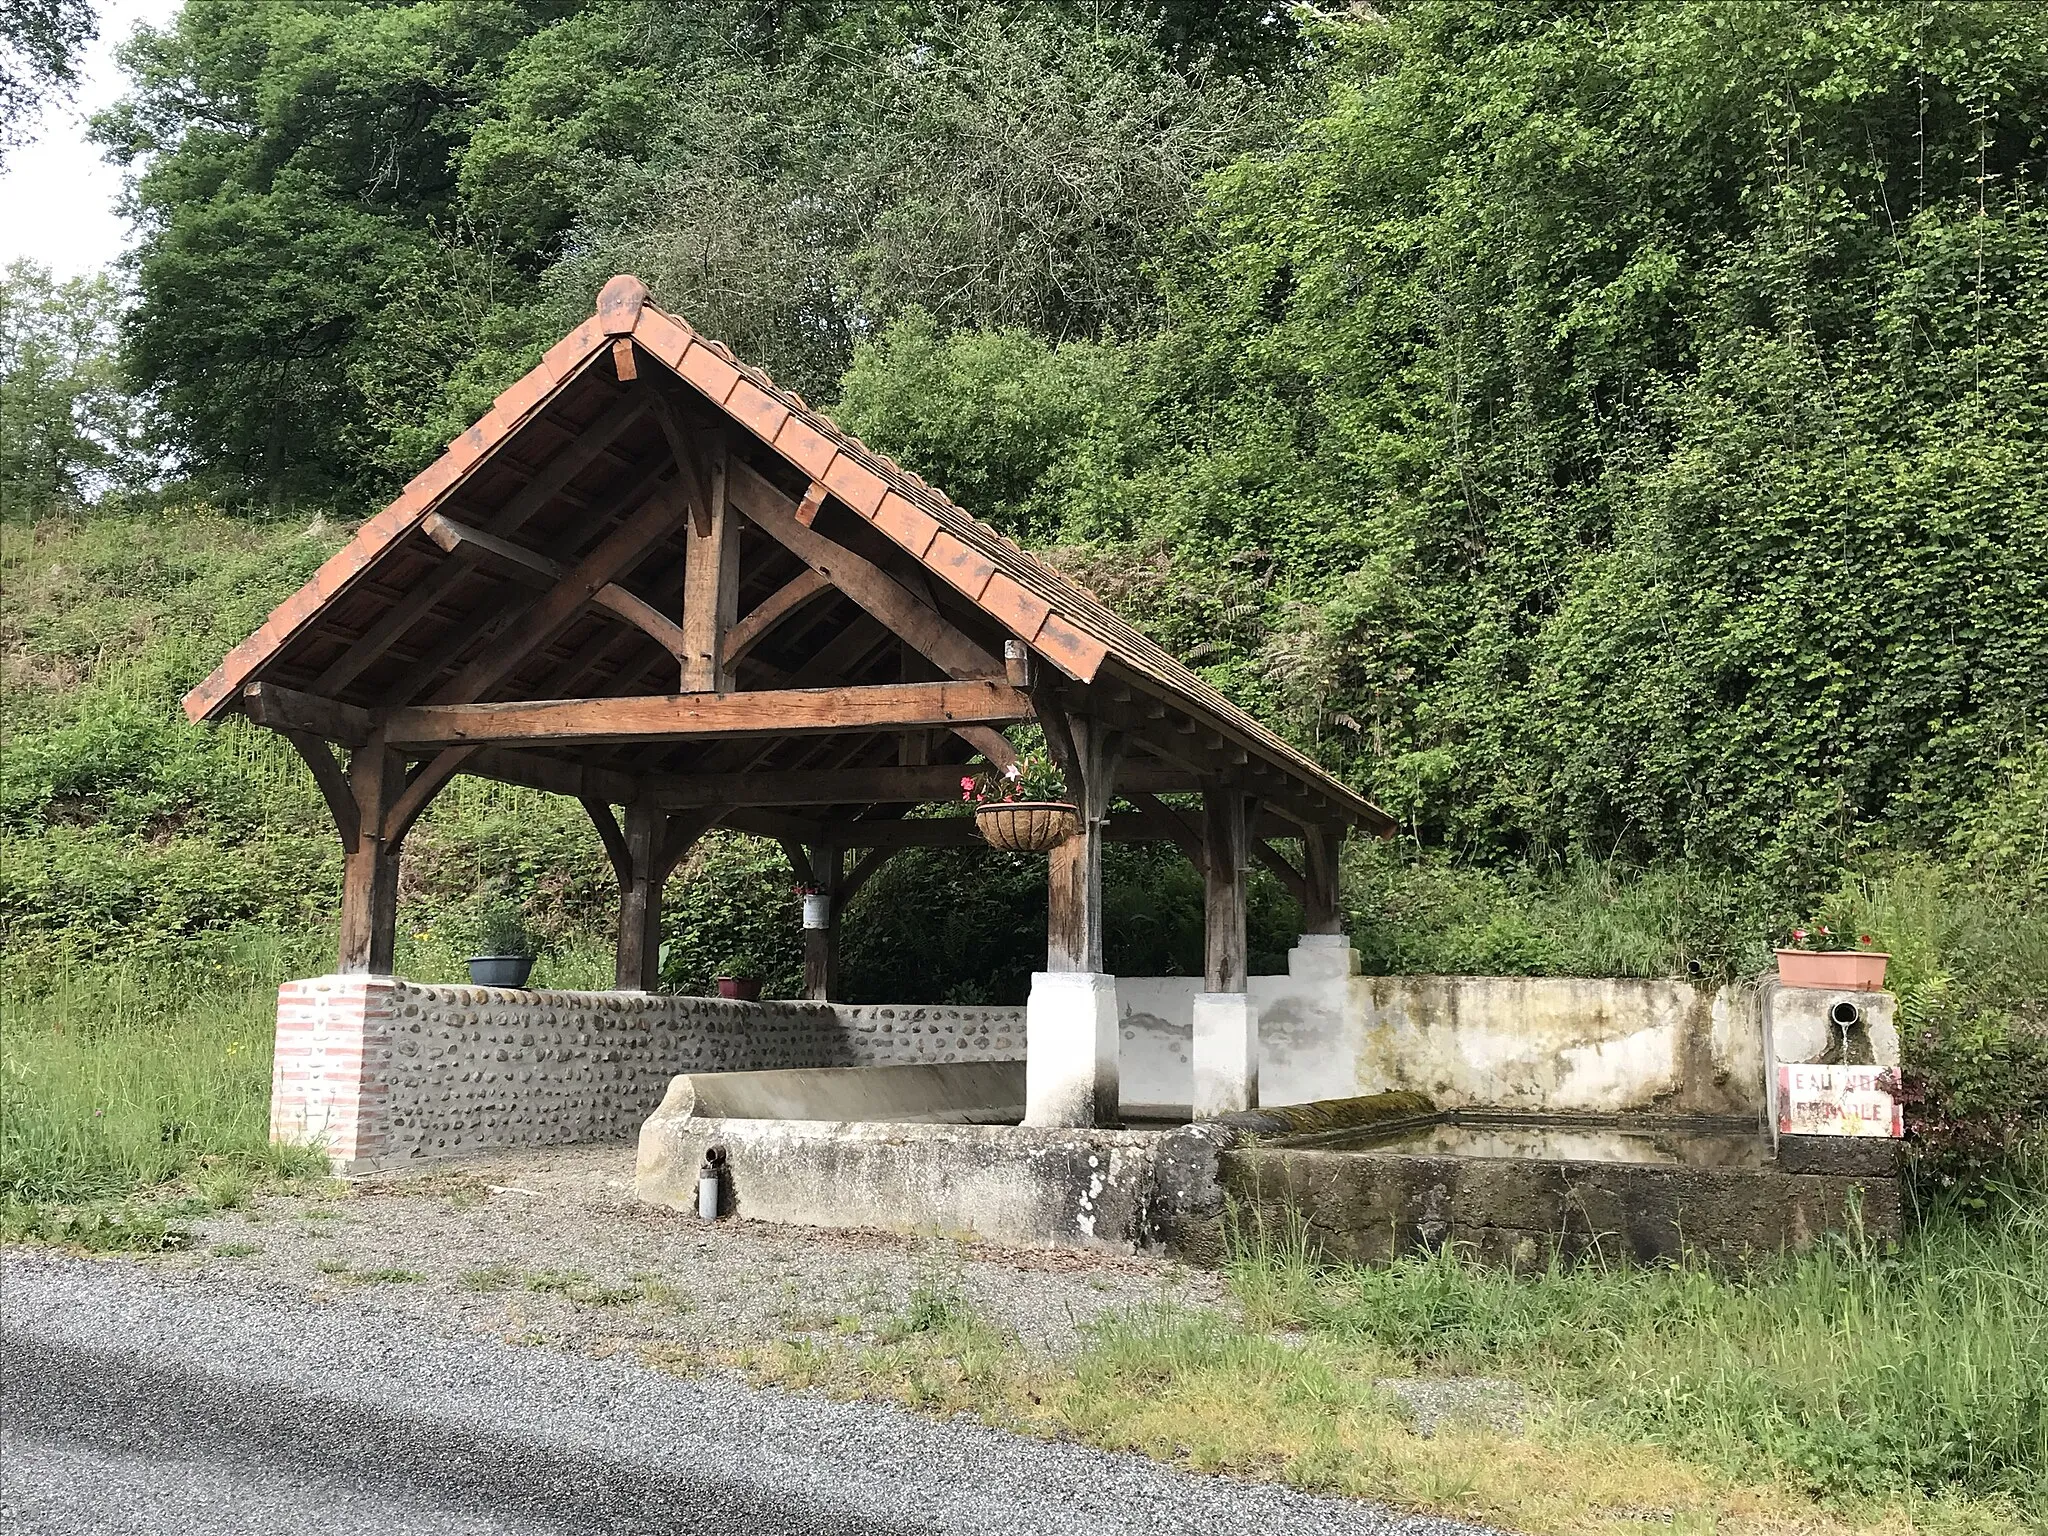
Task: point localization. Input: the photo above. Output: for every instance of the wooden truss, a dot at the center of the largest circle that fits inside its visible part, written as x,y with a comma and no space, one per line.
651,581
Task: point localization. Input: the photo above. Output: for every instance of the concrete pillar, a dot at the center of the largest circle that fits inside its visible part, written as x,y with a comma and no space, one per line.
1225,1054
1322,957
1070,1049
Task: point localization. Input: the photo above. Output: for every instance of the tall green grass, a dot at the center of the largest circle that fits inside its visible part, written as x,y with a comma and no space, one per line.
120,1075
1852,1371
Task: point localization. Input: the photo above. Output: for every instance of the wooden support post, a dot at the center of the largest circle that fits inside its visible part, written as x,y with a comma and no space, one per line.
369,875
1322,909
1223,1047
1223,874
821,944
639,954
1074,868
711,590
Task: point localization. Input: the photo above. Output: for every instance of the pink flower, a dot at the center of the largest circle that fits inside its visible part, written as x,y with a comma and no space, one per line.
1799,935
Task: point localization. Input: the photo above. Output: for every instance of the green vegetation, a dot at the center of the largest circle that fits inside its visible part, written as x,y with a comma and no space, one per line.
1610,437
1849,1371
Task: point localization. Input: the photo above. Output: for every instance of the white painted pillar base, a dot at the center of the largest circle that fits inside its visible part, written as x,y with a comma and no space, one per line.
1070,1049
1322,957
1226,1054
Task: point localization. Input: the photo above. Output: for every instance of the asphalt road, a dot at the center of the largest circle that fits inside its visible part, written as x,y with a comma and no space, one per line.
138,1400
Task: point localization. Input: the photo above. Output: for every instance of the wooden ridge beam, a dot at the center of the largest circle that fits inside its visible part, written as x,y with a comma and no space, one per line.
681,717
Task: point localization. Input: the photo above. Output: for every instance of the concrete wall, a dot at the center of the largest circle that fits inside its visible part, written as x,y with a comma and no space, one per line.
382,1071
1521,1042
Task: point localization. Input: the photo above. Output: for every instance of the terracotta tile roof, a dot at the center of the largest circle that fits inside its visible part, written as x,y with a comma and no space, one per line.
1057,617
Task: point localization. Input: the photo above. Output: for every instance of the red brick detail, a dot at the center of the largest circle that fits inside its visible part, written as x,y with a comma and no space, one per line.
1073,651
756,410
1022,611
703,367
968,569
333,1047
805,447
906,524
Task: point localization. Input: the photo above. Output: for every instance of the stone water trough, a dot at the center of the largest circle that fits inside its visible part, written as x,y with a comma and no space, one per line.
1666,1150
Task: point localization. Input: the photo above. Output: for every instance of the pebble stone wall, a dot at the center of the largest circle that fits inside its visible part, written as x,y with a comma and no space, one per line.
382,1071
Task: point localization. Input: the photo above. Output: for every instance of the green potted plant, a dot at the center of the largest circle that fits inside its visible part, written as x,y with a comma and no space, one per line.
1816,956
504,948
739,975
1022,808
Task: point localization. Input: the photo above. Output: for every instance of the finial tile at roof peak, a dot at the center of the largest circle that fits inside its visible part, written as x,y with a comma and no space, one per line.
618,304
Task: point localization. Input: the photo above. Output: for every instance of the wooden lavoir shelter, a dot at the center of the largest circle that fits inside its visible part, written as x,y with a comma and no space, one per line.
651,579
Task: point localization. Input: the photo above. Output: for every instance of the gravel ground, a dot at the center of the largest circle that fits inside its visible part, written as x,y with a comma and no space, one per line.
550,1246
147,1398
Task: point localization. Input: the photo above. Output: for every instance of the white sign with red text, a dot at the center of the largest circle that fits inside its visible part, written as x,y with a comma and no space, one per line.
1836,1101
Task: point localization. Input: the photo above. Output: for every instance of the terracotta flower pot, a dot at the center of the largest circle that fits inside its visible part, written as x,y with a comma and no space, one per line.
1026,826
1833,970
741,989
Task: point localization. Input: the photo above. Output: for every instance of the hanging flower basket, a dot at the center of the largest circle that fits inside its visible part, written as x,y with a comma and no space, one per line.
1026,826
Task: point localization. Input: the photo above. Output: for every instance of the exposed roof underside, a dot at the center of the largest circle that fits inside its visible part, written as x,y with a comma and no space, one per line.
448,573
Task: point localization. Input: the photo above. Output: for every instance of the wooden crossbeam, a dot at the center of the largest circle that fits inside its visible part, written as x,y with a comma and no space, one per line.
933,831
682,717
288,710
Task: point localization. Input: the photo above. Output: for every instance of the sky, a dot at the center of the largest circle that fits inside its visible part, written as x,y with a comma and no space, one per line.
56,195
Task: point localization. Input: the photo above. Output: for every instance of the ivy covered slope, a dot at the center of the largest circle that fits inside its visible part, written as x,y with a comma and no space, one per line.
1604,432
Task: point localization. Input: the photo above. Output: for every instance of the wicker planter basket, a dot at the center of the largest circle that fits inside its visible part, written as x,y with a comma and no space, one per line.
1834,970
1026,826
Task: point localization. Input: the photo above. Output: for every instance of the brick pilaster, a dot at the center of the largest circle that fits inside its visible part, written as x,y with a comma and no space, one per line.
330,1083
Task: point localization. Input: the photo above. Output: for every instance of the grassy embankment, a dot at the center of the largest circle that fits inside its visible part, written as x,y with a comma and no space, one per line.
156,882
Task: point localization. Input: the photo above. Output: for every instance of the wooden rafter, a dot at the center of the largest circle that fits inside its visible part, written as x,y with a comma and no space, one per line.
642,615
620,550
867,584
571,461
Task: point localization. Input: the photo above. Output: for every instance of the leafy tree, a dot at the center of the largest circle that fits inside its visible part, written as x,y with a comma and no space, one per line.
68,429
40,41
308,276
359,221
990,164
